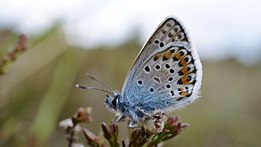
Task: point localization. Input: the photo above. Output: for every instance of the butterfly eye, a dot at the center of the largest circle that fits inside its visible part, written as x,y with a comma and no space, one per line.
114,102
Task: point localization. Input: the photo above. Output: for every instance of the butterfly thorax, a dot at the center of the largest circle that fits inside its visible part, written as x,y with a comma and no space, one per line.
124,110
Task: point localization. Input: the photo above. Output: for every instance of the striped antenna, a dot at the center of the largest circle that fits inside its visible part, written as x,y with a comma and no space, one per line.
92,88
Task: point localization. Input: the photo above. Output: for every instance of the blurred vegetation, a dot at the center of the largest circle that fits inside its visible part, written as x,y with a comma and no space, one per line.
37,91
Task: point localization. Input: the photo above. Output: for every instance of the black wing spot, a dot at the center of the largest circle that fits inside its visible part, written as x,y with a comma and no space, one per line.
151,89
171,70
147,69
164,31
186,59
175,59
179,36
156,41
189,78
157,79
178,99
161,44
181,53
172,50
179,82
164,58
168,24
188,68
157,66
139,82
180,73
194,70
167,66
170,79
155,58
168,86
176,28
172,93
180,64
188,95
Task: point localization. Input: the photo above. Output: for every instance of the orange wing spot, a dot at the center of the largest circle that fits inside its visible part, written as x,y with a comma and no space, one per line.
180,89
156,57
177,55
167,55
183,93
184,80
184,70
182,61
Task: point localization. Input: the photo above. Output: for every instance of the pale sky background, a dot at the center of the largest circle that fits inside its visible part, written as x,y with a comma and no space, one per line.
219,29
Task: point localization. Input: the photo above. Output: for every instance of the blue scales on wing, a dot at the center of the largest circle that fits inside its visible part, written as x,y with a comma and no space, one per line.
167,72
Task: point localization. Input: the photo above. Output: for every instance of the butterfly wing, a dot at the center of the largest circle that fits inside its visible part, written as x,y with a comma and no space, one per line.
167,72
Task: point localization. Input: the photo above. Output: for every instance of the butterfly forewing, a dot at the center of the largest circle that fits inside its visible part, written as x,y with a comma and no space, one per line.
166,73
166,32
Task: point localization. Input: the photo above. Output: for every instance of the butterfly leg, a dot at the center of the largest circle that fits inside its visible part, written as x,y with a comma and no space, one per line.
119,117
154,123
144,113
133,124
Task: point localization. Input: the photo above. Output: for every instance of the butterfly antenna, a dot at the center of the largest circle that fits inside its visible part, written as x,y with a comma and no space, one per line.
100,81
92,88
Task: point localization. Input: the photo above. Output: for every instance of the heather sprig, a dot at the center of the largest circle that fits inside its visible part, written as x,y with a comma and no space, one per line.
11,55
139,136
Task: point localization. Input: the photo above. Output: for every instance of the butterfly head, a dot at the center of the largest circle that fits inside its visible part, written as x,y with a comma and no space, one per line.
112,97
112,101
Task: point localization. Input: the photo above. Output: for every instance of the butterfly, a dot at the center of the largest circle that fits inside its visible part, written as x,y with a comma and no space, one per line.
165,76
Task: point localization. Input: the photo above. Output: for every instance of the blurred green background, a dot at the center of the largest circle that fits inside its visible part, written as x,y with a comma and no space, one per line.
37,91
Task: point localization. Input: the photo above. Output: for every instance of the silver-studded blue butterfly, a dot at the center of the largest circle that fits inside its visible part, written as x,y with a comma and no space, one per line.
166,75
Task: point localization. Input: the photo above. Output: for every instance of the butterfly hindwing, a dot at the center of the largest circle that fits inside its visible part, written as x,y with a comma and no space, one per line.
167,71
169,82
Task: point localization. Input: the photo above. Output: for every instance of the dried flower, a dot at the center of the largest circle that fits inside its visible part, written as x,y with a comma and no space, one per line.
139,137
20,46
172,128
92,139
83,115
111,134
71,125
155,129
66,123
